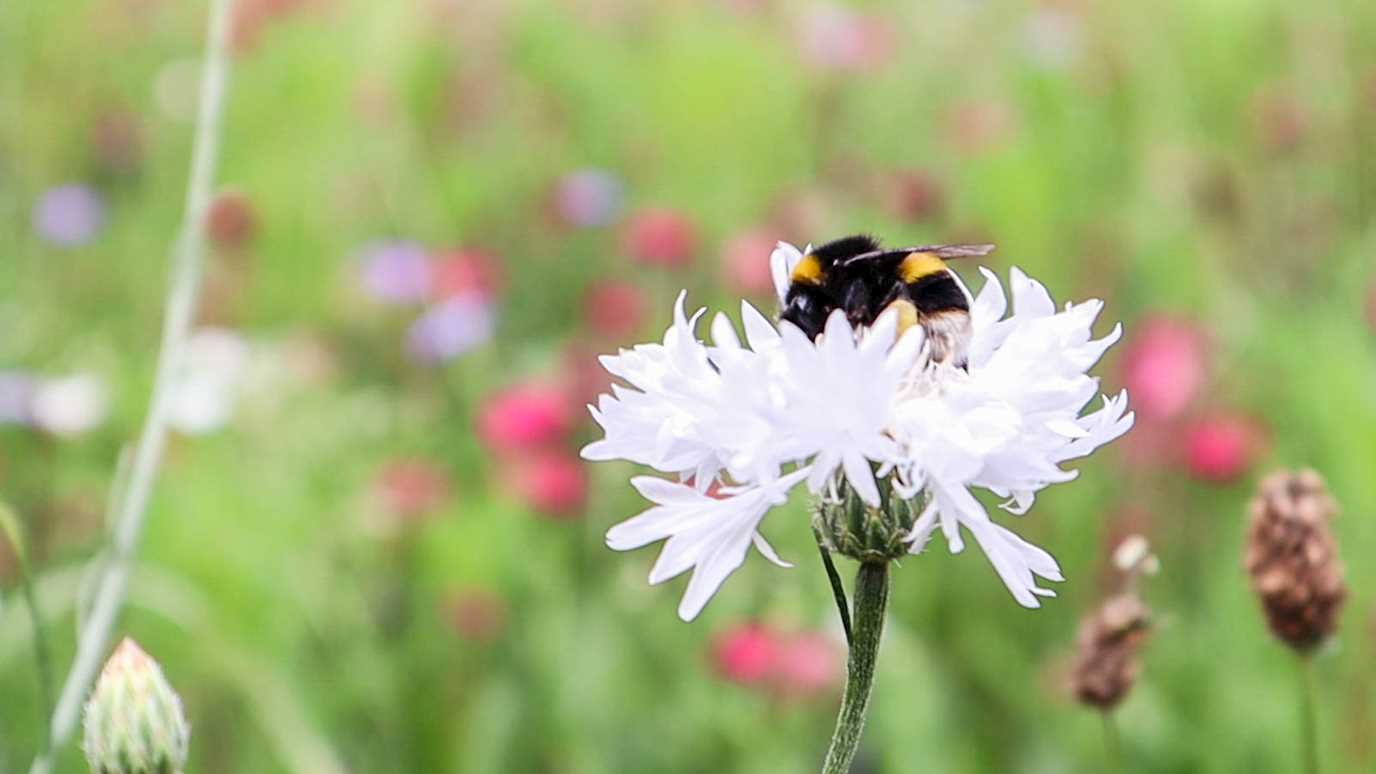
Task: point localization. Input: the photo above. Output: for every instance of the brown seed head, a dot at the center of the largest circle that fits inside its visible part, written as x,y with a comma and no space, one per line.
1293,559
1106,666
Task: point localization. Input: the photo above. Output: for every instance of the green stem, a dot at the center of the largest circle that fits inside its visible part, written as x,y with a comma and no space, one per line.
871,596
1112,748
837,589
42,656
1309,722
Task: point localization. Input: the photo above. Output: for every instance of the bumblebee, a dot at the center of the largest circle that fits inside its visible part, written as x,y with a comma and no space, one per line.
856,275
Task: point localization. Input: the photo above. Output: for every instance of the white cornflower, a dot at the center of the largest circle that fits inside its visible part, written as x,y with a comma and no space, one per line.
868,409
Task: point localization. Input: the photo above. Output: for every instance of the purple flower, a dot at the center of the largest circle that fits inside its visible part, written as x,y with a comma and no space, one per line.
451,328
589,198
17,390
396,272
69,216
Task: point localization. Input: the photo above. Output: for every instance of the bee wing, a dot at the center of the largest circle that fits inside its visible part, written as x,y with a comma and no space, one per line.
953,251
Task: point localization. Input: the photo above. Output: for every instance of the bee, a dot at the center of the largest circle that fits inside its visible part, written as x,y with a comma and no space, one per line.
856,275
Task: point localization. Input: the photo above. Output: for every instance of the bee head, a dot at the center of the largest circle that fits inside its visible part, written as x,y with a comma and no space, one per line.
817,265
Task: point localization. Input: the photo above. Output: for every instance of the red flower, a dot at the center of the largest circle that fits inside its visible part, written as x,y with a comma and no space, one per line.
745,260
660,237
553,483
466,271
412,487
1221,448
1164,366
810,665
476,614
614,308
524,417
746,653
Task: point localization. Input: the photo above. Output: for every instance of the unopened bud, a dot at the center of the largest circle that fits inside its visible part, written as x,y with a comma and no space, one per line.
134,720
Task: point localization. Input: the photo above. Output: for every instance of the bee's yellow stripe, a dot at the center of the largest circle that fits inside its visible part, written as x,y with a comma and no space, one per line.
918,265
808,271
907,314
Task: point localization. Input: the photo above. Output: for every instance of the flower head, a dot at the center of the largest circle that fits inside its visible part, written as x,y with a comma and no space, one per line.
134,721
864,410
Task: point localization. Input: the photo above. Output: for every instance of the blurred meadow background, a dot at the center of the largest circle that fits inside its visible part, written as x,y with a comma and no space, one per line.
373,546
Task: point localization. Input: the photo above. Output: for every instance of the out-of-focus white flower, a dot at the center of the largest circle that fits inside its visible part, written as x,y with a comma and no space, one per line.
863,405
70,405
209,376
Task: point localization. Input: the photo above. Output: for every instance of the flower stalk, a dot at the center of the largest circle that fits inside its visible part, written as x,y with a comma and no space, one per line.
871,599
130,507
1309,718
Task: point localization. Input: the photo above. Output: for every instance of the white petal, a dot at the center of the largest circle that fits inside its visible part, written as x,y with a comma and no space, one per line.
781,264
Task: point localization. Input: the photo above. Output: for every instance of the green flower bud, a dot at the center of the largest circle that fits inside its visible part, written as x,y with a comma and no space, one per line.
847,525
134,720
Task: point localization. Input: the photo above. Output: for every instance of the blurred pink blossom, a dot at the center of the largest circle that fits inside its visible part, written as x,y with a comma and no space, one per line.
915,195
588,198
554,483
838,38
810,665
660,237
524,417
410,487
1220,448
1164,366
451,328
467,270
396,272
746,653
70,215
231,221
615,308
977,126
476,614
745,261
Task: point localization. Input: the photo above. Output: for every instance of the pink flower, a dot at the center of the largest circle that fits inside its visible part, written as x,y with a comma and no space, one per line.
810,664
553,483
660,237
746,653
70,215
838,38
915,195
745,261
524,417
412,487
1220,448
476,614
616,308
395,272
1164,366
231,222
466,271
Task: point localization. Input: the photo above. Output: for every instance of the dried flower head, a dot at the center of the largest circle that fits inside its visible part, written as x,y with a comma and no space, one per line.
1293,559
1106,663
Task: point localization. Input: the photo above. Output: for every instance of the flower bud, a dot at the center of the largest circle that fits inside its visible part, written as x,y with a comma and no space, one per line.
847,525
1293,559
134,720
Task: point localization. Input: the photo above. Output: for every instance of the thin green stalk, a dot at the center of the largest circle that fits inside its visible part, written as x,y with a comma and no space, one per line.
1113,752
837,589
42,654
132,504
1309,721
871,597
